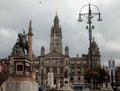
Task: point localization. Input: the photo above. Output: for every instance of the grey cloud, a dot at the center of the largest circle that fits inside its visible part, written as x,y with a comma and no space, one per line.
15,15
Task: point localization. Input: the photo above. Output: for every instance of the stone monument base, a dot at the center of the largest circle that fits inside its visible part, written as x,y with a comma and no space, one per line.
66,86
21,86
106,88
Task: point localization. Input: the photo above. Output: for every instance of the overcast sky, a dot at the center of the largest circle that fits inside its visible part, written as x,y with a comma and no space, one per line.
16,14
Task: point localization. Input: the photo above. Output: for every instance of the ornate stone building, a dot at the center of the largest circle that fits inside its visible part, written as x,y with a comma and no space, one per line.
58,62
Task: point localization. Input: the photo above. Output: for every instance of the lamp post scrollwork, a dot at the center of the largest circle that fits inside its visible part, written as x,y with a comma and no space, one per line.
90,15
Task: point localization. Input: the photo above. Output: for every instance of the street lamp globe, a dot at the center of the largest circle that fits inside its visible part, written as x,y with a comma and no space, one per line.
80,19
99,18
90,15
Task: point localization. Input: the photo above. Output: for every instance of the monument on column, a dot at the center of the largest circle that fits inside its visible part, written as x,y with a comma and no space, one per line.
20,64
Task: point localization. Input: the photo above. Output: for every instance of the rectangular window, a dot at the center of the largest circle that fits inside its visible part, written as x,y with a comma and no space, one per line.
54,70
42,72
61,70
48,70
61,61
78,78
54,61
27,68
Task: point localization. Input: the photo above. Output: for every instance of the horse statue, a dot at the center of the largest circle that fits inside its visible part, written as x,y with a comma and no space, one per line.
23,43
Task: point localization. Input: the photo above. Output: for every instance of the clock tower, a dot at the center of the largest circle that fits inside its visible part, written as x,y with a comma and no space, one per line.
56,36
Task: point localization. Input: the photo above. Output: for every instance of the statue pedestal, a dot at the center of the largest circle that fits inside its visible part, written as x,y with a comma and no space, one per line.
66,86
108,88
103,87
20,78
21,86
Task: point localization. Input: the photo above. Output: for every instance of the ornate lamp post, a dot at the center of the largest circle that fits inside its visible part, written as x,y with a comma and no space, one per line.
90,16
92,75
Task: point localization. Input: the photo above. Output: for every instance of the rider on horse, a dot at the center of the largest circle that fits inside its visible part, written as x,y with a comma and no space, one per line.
23,41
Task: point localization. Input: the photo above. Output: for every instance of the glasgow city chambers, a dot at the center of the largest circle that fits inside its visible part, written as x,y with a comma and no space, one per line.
58,59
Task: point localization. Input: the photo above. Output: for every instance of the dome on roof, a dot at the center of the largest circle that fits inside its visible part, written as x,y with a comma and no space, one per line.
94,44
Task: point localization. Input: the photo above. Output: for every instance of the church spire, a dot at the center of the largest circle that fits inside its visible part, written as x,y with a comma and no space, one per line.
56,21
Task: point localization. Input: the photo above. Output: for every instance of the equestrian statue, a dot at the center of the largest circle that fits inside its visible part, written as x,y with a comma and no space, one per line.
22,41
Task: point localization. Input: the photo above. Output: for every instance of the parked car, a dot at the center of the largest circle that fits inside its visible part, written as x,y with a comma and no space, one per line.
79,86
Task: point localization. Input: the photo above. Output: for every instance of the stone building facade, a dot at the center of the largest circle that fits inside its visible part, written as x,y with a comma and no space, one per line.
58,62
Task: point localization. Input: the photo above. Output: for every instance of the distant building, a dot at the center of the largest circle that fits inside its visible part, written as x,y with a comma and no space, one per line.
111,66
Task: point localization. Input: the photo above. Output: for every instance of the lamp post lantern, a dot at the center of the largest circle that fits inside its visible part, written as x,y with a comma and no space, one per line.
90,16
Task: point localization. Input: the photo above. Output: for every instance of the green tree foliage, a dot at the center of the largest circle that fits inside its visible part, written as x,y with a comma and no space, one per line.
99,77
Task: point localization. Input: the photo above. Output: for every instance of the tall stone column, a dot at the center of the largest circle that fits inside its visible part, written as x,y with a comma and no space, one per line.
30,34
